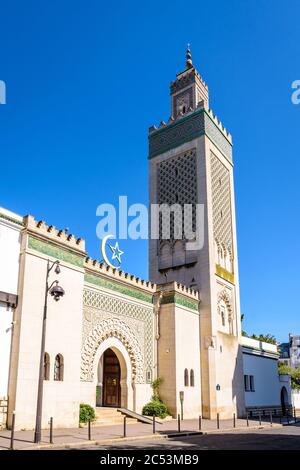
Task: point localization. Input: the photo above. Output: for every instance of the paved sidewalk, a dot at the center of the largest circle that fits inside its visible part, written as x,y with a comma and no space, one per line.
103,434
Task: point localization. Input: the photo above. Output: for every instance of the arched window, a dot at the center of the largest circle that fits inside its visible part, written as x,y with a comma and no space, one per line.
223,317
186,378
59,367
192,378
46,366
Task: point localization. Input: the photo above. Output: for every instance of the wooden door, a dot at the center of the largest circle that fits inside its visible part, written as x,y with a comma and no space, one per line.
111,379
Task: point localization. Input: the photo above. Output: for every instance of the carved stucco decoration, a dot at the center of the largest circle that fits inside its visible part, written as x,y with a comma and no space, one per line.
225,296
111,327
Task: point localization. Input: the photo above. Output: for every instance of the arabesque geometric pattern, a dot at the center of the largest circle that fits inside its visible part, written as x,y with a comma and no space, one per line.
221,199
99,307
177,184
112,327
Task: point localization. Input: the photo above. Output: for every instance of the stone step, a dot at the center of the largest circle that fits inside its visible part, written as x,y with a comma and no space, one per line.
106,416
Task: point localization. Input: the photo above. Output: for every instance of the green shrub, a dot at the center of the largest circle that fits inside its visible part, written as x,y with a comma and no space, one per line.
86,413
157,408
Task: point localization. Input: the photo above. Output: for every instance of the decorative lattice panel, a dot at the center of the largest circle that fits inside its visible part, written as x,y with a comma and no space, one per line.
127,319
177,184
221,199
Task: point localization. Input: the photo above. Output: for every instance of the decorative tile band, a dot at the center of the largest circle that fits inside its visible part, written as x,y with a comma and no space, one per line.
222,272
186,129
55,251
115,286
180,300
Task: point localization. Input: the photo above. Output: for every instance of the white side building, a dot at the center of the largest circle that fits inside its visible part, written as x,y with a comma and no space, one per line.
264,387
10,227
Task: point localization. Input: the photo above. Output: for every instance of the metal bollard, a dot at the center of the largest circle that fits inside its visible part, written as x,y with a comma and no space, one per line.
218,421
178,419
89,430
153,424
12,434
51,430
294,411
259,414
247,417
234,420
124,427
200,423
271,420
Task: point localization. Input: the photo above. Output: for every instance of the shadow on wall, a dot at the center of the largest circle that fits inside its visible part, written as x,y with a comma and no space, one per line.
238,393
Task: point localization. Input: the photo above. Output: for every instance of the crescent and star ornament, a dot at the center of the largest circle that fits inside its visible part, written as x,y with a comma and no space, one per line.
116,252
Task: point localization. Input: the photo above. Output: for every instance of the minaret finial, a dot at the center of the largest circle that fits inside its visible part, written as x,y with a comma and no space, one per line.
188,57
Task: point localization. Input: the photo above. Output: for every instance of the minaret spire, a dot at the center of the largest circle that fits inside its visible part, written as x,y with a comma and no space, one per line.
188,57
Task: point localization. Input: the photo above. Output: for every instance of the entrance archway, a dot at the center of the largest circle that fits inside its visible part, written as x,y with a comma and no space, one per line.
284,400
114,375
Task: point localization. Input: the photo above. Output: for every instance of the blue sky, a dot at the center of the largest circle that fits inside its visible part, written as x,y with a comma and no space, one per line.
85,80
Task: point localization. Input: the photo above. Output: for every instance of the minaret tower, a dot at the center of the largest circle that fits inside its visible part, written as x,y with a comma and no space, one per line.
190,162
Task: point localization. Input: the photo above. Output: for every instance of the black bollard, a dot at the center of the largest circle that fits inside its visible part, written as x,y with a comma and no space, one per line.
178,419
12,435
51,430
234,420
124,427
259,414
247,417
89,430
200,423
218,421
153,424
271,420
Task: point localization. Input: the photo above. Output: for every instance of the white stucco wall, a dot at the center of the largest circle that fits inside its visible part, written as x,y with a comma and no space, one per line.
266,381
9,271
260,360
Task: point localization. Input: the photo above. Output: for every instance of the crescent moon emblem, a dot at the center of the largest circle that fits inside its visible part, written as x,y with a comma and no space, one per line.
103,252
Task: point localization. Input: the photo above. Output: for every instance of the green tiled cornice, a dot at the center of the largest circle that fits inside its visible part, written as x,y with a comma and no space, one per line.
180,300
194,125
55,251
117,287
10,219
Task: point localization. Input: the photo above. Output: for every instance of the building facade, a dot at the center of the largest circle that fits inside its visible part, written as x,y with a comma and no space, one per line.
10,228
264,387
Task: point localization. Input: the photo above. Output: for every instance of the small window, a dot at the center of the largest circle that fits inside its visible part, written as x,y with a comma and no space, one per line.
192,378
59,368
46,366
149,376
246,383
186,378
251,379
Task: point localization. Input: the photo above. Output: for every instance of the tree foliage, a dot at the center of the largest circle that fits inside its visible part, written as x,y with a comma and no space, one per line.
293,372
268,338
